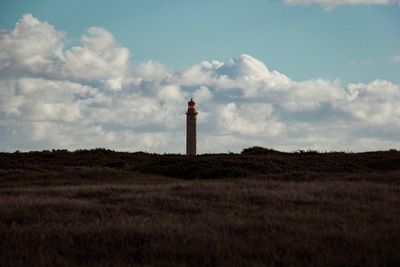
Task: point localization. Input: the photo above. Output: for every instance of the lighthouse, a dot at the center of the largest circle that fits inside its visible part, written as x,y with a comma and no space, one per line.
191,128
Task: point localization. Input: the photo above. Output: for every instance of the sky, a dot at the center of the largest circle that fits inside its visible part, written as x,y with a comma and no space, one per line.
283,74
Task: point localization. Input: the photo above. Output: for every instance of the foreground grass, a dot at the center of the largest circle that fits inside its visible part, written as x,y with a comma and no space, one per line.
102,216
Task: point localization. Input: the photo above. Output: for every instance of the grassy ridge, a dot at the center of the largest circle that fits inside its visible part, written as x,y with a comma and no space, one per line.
252,161
260,207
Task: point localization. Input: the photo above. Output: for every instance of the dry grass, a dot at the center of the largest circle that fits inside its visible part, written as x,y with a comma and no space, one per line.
102,216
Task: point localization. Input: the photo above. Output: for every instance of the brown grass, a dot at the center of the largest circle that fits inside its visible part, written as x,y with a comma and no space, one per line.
76,214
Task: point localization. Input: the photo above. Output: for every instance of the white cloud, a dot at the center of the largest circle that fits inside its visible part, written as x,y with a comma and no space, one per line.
250,119
376,103
203,94
35,48
251,75
10,101
30,46
151,70
201,73
333,3
396,59
171,93
89,96
98,57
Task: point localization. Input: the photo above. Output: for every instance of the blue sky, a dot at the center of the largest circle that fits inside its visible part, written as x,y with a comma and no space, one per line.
351,43
284,74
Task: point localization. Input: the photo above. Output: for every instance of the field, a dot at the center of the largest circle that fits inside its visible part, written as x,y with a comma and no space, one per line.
257,208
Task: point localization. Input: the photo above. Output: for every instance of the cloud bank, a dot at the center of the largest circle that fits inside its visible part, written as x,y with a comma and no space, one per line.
90,95
333,3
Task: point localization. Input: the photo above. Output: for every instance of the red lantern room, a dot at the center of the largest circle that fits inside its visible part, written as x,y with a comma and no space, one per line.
191,103
191,106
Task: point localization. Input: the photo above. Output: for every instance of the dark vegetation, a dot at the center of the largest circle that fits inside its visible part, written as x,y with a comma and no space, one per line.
261,207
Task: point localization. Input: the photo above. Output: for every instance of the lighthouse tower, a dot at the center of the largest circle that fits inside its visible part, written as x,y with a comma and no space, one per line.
191,128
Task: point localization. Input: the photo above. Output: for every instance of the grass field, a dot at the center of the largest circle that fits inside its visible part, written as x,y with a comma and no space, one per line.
258,208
